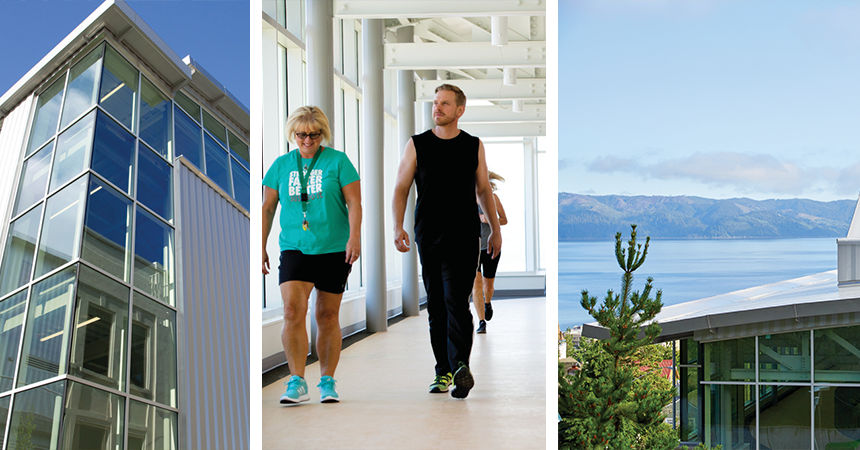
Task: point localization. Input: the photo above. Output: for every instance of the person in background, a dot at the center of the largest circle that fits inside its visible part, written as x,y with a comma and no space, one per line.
486,276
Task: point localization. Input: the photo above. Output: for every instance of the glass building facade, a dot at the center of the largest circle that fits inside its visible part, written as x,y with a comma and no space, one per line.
792,390
88,293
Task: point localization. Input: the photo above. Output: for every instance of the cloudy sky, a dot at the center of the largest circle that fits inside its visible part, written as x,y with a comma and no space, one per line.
714,98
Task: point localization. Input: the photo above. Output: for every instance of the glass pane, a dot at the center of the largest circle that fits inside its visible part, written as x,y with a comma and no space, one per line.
837,359
47,113
155,183
106,229
72,155
119,84
153,258
215,128
217,164
730,416
83,85
151,428
837,417
46,347
36,416
20,248
4,414
187,135
113,153
784,417
188,105
784,357
152,362
101,324
93,419
732,360
34,179
240,150
61,230
242,185
155,118
11,321
689,383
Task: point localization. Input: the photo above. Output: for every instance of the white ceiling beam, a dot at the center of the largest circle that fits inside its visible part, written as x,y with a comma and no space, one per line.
488,130
386,9
464,55
503,114
526,89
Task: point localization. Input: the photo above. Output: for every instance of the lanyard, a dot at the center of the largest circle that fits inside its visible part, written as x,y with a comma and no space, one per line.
303,180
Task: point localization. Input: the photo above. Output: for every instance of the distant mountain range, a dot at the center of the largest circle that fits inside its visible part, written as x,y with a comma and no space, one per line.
600,217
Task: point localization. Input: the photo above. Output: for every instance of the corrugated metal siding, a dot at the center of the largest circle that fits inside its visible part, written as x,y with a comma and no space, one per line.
12,137
213,258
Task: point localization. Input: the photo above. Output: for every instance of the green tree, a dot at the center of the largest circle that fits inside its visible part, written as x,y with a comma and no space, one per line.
611,403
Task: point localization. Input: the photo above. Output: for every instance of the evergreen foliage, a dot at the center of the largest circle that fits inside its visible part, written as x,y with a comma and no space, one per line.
611,403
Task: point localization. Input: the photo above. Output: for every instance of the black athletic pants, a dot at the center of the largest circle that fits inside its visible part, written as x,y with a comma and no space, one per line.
449,268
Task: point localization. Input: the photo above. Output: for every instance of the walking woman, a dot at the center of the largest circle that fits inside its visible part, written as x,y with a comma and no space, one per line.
482,291
319,192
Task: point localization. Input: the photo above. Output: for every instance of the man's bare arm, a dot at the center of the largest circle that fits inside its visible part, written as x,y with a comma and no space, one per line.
405,177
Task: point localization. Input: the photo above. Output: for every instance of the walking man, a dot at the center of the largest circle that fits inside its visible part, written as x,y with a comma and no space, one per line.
449,170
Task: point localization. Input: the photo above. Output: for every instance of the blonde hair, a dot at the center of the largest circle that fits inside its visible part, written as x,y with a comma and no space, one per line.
308,117
494,176
459,96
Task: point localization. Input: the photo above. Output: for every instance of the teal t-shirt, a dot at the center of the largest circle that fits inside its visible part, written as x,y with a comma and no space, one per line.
328,217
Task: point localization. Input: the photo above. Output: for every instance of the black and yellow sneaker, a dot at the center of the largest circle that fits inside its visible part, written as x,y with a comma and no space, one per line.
440,384
463,381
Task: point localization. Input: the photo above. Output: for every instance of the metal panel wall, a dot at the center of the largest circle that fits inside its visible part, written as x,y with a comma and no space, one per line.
213,273
12,137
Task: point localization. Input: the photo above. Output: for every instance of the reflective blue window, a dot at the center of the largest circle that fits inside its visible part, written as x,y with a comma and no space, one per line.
106,229
155,118
61,231
239,150
20,248
34,179
113,152
217,164
119,84
153,257
187,136
242,185
73,149
83,86
155,183
47,114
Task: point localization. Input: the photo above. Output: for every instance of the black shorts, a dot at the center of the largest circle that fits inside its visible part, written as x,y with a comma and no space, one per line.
487,265
328,272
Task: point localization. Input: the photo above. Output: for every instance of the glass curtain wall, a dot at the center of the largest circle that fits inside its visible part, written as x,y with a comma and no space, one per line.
87,289
795,390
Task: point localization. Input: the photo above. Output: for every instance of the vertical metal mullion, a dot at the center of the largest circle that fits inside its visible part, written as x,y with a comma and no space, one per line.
757,395
812,404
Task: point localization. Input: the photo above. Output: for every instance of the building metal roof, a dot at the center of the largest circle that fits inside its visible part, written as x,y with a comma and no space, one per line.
127,27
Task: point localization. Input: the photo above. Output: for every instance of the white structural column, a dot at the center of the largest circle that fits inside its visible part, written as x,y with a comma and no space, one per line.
406,128
320,62
531,205
372,152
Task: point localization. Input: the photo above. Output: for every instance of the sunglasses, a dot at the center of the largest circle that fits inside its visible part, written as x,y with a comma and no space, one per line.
303,136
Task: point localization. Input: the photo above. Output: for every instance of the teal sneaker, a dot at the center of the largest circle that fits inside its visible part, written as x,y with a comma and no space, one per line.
463,381
297,391
328,394
440,384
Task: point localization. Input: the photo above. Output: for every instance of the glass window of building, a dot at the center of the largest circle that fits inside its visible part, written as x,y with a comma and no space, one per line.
155,183
188,140
732,360
60,237
83,86
784,357
785,418
217,164
239,150
73,151
837,359
113,153
190,107
4,414
837,417
11,324
93,419
34,179
241,185
152,362
153,257
101,324
730,415
20,248
47,114
107,230
155,118
118,88
45,349
215,128
151,427
35,413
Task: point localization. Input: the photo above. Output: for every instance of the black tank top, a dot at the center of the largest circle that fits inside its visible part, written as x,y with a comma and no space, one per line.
445,178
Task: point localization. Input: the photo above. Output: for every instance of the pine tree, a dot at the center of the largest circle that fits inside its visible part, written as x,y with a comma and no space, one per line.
610,403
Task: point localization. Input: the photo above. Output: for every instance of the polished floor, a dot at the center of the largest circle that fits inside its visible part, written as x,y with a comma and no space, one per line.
383,380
